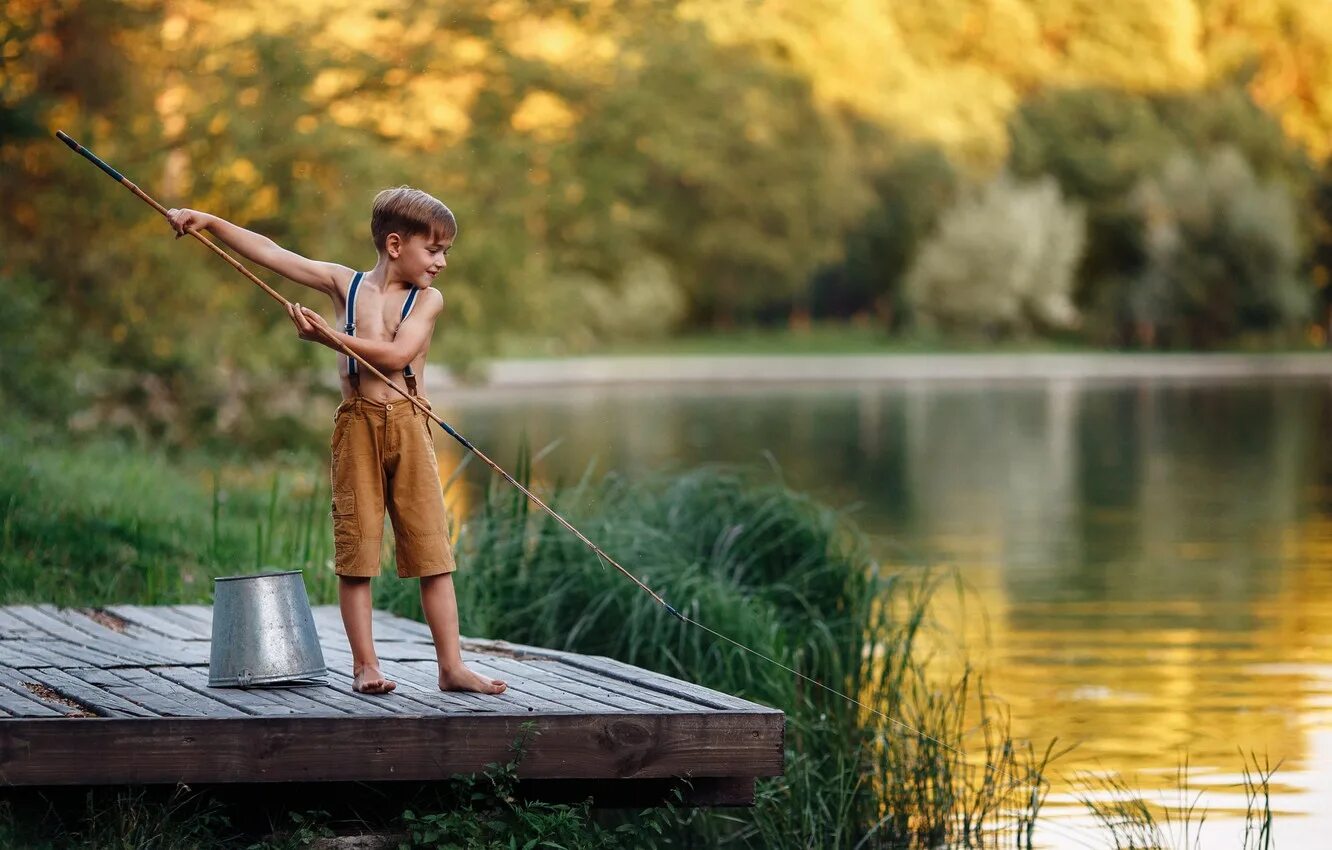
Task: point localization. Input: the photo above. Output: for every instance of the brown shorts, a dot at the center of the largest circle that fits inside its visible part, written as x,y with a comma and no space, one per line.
384,456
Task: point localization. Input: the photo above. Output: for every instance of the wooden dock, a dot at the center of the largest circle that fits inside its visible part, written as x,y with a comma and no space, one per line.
119,695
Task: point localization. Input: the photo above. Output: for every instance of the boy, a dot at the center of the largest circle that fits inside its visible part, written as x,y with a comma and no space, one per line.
383,452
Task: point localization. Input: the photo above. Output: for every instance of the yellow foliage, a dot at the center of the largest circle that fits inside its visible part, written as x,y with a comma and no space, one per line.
263,203
544,115
1292,43
561,42
331,81
244,172
174,28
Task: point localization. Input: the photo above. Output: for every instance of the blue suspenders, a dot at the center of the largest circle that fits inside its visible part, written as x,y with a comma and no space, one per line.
350,328
407,311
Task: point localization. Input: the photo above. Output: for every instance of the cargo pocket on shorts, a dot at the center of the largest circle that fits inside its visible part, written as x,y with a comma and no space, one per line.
346,526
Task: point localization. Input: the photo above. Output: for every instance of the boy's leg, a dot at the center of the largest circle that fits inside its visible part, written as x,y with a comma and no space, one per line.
440,605
358,520
355,602
421,532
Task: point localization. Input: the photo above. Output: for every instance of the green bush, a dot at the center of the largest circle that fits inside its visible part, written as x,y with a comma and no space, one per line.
1223,254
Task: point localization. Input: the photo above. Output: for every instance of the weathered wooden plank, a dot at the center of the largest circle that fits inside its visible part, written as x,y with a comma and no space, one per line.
297,698
99,701
535,669
201,628
517,675
407,698
511,700
282,697
17,704
655,698
203,704
187,653
249,702
385,626
425,692
90,643
12,628
407,629
345,701
613,669
48,652
149,619
201,614
272,749
402,651
151,647
423,682
77,640
159,704
16,681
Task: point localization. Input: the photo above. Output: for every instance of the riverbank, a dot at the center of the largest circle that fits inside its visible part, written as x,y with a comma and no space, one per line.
749,370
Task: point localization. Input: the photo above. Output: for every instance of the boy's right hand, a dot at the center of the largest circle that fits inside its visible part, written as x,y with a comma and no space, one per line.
187,221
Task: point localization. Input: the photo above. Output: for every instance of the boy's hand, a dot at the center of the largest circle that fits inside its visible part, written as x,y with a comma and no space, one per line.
310,325
187,221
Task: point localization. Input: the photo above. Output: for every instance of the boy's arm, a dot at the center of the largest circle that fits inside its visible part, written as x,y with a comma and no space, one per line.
386,356
260,249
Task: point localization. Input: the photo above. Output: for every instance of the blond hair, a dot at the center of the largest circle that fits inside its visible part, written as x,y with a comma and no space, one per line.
409,212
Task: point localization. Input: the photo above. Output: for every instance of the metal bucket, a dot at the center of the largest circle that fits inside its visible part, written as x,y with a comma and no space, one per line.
263,632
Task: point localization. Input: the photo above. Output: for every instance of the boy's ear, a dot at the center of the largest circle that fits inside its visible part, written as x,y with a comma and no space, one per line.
393,245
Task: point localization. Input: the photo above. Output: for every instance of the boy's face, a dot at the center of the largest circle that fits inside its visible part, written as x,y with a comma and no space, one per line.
421,257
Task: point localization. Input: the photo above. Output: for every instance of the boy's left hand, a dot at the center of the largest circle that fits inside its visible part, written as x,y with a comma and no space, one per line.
309,324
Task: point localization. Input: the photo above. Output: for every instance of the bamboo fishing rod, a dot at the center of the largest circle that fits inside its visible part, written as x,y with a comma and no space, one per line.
467,444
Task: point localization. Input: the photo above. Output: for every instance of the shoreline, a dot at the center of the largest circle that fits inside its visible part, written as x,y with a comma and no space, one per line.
820,369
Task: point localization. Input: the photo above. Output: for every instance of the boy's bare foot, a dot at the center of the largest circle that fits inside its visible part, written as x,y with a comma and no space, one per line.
462,679
368,680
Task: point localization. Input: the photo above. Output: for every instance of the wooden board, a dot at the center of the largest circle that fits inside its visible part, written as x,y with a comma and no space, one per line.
121,695
305,748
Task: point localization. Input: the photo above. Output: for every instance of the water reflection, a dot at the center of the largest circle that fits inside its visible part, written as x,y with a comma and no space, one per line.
1153,558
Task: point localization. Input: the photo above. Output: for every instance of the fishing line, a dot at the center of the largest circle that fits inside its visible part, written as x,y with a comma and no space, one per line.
467,444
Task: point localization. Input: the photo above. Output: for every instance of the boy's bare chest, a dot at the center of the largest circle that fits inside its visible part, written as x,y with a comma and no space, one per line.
378,314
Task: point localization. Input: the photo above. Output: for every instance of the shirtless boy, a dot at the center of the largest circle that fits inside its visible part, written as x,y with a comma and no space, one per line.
383,453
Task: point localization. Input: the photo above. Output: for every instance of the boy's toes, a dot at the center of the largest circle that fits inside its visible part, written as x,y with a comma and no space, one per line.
372,683
466,680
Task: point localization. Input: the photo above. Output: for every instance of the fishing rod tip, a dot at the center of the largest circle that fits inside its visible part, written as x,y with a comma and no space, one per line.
62,136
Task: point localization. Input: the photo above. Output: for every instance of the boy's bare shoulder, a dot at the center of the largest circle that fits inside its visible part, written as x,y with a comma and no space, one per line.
340,278
433,300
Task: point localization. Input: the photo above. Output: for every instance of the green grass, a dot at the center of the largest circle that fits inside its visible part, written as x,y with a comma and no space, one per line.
934,763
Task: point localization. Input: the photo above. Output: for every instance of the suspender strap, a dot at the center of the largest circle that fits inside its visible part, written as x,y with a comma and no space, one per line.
407,311
350,327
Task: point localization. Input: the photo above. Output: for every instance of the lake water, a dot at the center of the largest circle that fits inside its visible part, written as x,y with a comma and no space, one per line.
1153,560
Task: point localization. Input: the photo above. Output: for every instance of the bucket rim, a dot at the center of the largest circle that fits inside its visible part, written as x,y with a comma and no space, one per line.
272,574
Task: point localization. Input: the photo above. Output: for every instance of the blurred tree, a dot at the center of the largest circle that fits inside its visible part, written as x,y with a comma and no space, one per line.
1100,144
1222,254
912,186
1001,263
1321,258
